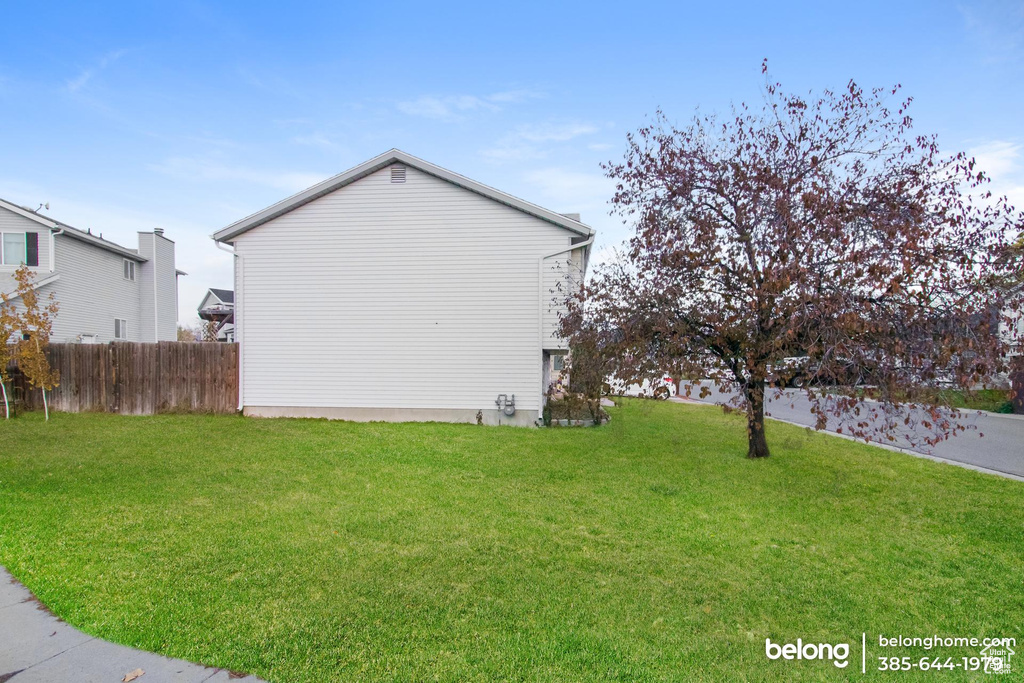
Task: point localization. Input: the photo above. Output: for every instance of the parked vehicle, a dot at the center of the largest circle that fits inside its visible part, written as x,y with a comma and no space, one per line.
790,372
661,389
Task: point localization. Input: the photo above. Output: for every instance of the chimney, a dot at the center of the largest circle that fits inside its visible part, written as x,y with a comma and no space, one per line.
158,231
572,216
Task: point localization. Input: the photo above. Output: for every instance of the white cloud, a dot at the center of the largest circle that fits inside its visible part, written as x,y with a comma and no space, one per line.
525,141
321,140
445,108
573,188
1003,162
515,96
513,149
996,27
87,74
549,132
193,168
455,107
998,158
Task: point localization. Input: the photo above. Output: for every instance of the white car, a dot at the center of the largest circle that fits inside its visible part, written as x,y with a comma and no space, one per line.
661,389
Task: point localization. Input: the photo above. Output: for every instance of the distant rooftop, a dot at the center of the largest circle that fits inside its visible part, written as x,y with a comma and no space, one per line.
225,295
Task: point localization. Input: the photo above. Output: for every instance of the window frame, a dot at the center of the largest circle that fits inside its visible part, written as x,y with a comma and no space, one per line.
128,270
24,249
120,329
555,359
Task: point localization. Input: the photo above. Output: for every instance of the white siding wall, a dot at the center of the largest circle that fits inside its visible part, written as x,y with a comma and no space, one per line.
91,292
555,288
12,222
1012,331
166,290
382,295
159,288
147,289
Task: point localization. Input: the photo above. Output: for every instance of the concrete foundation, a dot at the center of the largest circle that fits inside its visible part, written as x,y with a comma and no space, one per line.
522,418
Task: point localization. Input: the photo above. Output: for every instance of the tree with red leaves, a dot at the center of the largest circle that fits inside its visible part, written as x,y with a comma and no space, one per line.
815,237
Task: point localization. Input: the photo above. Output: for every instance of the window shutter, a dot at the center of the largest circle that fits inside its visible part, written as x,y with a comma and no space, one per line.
32,248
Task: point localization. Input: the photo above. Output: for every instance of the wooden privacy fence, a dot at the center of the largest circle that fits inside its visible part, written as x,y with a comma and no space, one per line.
139,379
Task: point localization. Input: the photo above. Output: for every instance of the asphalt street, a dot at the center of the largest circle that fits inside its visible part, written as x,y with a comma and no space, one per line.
996,445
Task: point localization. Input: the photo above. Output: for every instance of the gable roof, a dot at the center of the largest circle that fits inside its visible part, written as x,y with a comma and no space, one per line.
225,295
77,234
377,163
216,299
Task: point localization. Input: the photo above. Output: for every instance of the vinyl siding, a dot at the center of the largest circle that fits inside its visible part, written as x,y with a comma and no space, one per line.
147,289
166,290
12,222
158,294
556,270
91,289
382,295
92,292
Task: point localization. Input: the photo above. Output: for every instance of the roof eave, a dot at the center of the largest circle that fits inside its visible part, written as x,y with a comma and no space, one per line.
102,244
390,157
31,215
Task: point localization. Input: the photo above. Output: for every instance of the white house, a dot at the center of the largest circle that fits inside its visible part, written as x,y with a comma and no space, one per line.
401,291
218,307
1011,322
106,291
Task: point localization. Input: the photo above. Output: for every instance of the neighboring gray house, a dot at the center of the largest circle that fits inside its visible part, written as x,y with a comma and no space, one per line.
106,292
1011,324
399,290
218,307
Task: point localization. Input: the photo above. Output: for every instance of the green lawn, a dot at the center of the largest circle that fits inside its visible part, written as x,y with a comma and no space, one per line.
647,549
993,400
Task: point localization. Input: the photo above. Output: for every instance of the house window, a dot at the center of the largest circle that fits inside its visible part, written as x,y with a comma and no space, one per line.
558,362
12,248
120,328
129,270
17,248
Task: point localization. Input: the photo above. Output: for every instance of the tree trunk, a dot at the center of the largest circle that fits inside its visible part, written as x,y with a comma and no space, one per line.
757,443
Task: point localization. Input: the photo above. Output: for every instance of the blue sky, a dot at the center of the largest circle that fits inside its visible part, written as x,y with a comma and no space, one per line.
190,115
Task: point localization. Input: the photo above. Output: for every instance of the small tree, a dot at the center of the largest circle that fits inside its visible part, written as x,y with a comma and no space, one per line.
36,324
8,326
817,227
188,334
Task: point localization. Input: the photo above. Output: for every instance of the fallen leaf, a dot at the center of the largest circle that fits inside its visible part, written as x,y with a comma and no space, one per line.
132,675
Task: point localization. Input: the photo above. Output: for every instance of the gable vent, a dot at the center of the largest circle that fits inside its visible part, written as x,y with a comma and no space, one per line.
398,174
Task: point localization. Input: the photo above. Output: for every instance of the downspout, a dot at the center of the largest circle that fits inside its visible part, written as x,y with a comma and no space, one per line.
238,318
540,302
53,249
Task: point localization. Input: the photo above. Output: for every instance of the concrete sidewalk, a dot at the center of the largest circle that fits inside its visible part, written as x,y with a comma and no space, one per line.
37,647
